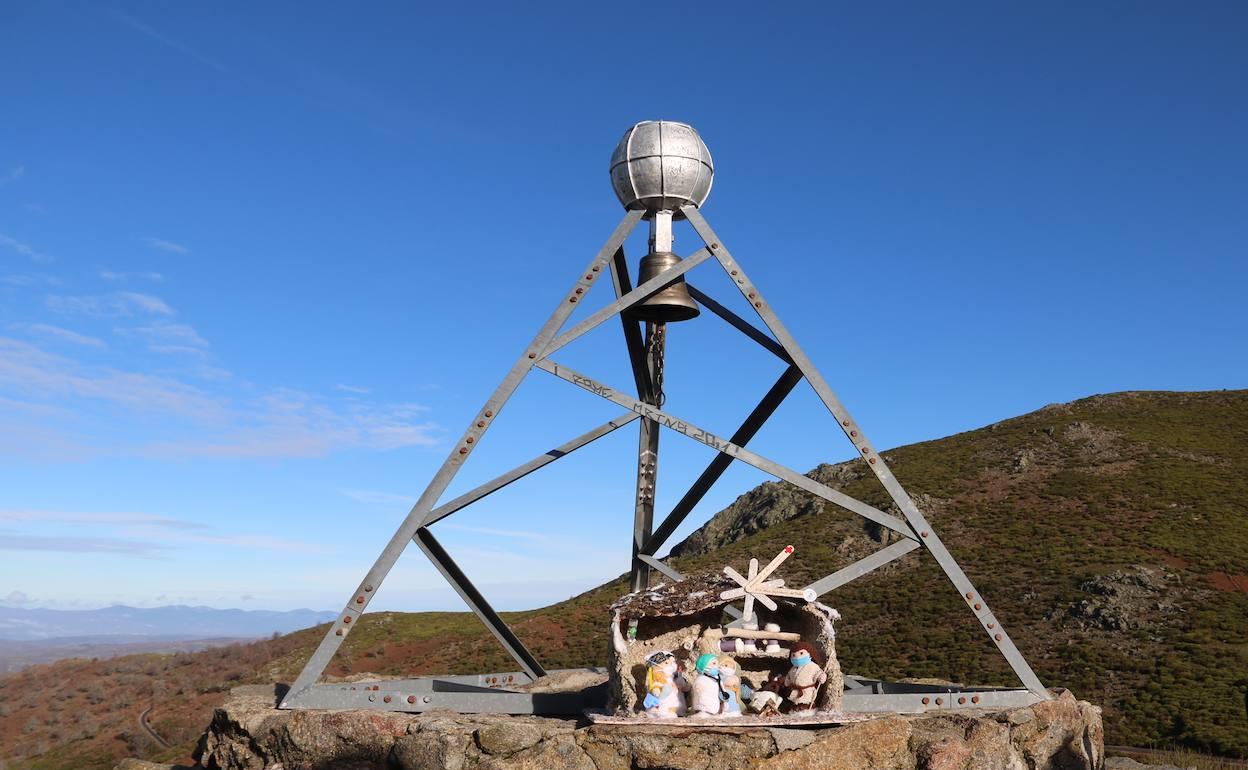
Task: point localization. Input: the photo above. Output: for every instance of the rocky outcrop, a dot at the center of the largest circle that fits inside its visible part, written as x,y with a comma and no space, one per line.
248,733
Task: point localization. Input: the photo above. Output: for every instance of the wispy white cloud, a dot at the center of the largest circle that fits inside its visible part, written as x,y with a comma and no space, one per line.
15,174
510,533
29,370
116,305
282,423
353,389
97,517
137,534
160,244
167,337
165,40
59,334
109,275
293,424
30,279
24,249
377,498
78,544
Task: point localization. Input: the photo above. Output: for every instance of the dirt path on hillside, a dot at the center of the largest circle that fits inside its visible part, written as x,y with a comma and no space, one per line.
147,728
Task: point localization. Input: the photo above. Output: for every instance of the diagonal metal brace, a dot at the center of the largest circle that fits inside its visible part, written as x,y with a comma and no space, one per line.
727,447
628,300
739,323
863,566
519,472
473,598
766,407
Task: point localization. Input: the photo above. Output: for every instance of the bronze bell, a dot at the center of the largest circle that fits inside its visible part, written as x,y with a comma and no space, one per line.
671,303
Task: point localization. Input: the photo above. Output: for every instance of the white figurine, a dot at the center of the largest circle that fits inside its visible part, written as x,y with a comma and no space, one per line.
708,692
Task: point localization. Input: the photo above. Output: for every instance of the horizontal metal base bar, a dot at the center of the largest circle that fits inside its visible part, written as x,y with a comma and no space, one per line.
464,694
936,699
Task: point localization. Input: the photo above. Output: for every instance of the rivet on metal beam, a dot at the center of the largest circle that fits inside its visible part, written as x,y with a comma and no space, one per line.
997,637
579,290
978,607
853,434
481,423
992,626
359,600
339,633
428,699
872,461
923,533
926,701
596,269
411,699
372,697
463,451
974,699
471,439
714,245
368,588
940,702
386,699
531,355
347,619
961,700
488,413
571,299
969,596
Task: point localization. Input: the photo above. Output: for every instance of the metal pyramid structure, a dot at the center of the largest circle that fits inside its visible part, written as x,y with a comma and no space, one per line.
643,403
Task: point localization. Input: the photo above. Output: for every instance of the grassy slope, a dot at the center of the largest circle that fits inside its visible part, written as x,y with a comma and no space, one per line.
1031,507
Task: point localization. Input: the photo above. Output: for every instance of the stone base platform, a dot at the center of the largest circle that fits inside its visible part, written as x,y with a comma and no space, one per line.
249,733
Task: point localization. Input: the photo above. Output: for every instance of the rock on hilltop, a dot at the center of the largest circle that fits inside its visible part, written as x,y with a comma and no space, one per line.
248,733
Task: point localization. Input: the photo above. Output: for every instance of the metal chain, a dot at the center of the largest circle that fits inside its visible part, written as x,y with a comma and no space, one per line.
657,344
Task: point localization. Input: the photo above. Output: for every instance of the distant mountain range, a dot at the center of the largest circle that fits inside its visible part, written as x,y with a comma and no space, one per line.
175,622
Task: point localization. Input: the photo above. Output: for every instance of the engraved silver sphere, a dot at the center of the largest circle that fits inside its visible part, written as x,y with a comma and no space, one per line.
661,165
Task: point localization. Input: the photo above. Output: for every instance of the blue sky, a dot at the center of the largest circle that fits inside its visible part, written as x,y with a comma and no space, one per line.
260,264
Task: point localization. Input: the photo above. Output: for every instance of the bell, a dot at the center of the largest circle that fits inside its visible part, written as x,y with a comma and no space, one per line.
671,303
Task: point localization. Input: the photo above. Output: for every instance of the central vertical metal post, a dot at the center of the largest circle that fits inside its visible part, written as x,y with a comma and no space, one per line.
647,474
648,436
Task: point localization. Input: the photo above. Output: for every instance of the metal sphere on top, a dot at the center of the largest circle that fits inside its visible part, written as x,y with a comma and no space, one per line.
661,165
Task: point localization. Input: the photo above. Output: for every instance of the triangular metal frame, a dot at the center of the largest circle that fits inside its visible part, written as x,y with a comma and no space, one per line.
913,529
